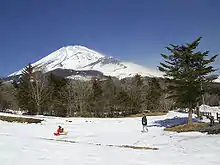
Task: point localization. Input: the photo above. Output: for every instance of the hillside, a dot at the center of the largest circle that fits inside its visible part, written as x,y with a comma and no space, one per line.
80,58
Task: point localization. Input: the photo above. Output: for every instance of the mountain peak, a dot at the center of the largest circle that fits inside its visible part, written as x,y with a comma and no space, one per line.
83,49
81,58
74,57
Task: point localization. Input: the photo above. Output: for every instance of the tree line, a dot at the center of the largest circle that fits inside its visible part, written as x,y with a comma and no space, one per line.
48,94
187,83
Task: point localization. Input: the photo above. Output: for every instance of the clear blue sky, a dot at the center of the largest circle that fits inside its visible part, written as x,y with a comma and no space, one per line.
132,30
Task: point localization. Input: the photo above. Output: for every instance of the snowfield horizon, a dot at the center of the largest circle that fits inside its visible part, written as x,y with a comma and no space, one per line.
96,141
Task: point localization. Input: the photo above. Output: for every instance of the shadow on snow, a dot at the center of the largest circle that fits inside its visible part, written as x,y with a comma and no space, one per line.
172,122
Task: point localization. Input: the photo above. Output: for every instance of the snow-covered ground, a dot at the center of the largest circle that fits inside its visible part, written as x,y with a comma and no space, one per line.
25,144
213,110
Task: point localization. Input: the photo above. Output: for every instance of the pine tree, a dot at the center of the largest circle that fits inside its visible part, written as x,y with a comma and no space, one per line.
136,93
1,97
55,101
138,81
187,73
154,92
24,91
109,93
123,102
7,97
96,97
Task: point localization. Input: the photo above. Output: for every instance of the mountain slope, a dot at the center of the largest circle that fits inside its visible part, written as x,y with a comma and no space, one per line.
80,58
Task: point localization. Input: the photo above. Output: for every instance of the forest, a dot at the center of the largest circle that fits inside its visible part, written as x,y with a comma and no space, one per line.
48,94
187,84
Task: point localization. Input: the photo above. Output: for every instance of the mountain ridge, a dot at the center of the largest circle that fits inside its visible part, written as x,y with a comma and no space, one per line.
81,58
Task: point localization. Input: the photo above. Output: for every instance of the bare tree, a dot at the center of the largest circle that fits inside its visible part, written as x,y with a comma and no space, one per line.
69,93
76,93
39,88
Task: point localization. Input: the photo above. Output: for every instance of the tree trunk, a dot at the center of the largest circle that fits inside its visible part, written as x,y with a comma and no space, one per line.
39,109
197,111
190,115
81,106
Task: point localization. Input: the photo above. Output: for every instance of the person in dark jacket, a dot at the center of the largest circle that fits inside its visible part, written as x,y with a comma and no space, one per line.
144,123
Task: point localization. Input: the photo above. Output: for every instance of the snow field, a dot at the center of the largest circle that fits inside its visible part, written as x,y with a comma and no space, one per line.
25,144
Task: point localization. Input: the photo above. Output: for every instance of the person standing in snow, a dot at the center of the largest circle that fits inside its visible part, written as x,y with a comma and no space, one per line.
144,123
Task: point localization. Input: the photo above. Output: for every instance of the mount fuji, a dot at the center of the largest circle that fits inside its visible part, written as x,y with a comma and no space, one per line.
81,62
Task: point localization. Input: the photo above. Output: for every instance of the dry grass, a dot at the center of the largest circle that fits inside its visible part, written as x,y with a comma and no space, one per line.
148,114
19,119
109,145
138,148
187,127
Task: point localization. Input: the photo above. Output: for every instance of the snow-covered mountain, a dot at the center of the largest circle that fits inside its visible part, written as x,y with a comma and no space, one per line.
80,58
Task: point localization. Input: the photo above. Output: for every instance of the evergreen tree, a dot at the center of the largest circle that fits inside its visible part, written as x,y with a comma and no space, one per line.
24,91
153,95
7,97
123,102
32,87
187,72
1,97
136,93
138,81
96,97
109,93
55,101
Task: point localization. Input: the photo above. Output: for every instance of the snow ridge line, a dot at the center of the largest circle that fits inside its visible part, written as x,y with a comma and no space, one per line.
99,144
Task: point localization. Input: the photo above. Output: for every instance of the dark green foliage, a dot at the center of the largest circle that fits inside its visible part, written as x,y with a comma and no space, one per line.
123,102
24,91
55,103
96,100
154,92
97,89
1,96
187,73
3,103
136,94
211,129
7,97
109,94
57,82
138,81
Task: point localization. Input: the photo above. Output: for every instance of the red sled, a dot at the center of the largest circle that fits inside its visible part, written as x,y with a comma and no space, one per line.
58,134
